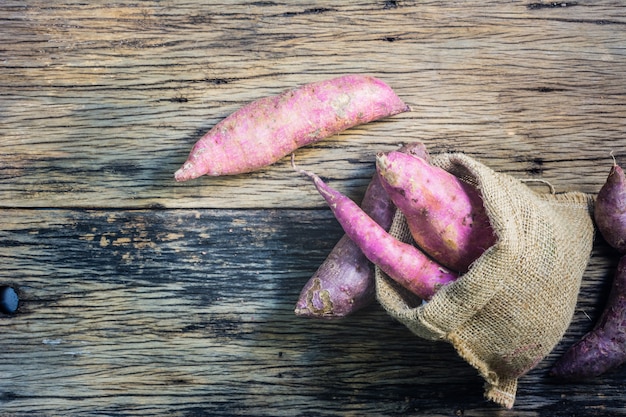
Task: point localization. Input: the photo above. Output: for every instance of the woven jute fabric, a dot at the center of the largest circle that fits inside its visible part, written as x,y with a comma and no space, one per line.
516,301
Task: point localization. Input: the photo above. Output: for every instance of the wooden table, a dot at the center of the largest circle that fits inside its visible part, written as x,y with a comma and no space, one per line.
142,296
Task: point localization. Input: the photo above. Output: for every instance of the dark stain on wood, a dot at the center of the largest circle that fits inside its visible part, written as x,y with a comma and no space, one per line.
551,5
217,81
546,89
535,164
311,11
390,4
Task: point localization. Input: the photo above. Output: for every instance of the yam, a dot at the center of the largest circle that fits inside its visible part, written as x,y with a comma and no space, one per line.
264,131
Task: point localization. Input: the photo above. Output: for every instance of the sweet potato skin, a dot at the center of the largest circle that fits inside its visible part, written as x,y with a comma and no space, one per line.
344,282
445,215
604,347
610,209
403,262
262,132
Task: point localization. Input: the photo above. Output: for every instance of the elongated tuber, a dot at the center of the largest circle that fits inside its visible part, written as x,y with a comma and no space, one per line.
344,282
262,132
403,262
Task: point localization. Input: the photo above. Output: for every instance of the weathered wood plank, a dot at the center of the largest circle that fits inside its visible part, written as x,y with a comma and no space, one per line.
130,308
190,312
101,102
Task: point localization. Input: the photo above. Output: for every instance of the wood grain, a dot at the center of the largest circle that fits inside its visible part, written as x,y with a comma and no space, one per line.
102,102
140,296
132,313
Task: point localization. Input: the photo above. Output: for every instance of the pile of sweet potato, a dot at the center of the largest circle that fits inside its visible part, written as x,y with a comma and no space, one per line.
445,215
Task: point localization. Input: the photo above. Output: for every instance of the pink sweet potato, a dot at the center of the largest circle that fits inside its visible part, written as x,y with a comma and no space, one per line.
403,262
344,282
610,209
270,128
445,215
604,347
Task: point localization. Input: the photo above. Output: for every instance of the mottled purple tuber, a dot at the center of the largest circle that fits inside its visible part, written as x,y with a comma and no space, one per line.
610,209
604,347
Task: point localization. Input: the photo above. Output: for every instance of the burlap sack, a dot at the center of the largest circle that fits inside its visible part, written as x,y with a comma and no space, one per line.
514,304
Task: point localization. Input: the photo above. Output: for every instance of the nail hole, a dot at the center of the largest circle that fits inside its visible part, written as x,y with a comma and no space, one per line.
9,300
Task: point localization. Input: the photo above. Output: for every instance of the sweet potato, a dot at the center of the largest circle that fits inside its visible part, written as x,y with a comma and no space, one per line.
344,282
604,347
610,209
403,262
262,132
445,215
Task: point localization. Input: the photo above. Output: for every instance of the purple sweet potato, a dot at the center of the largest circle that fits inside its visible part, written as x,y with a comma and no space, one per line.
264,131
610,209
445,215
604,347
403,262
344,282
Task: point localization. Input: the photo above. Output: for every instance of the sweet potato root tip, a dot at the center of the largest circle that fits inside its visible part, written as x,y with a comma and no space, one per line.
343,284
263,131
186,172
316,301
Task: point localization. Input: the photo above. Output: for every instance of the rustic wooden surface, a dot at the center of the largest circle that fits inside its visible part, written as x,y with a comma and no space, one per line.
140,296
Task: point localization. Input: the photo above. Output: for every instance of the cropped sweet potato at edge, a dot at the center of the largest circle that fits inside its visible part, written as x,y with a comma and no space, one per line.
403,262
262,132
604,347
445,215
610,209
344,282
